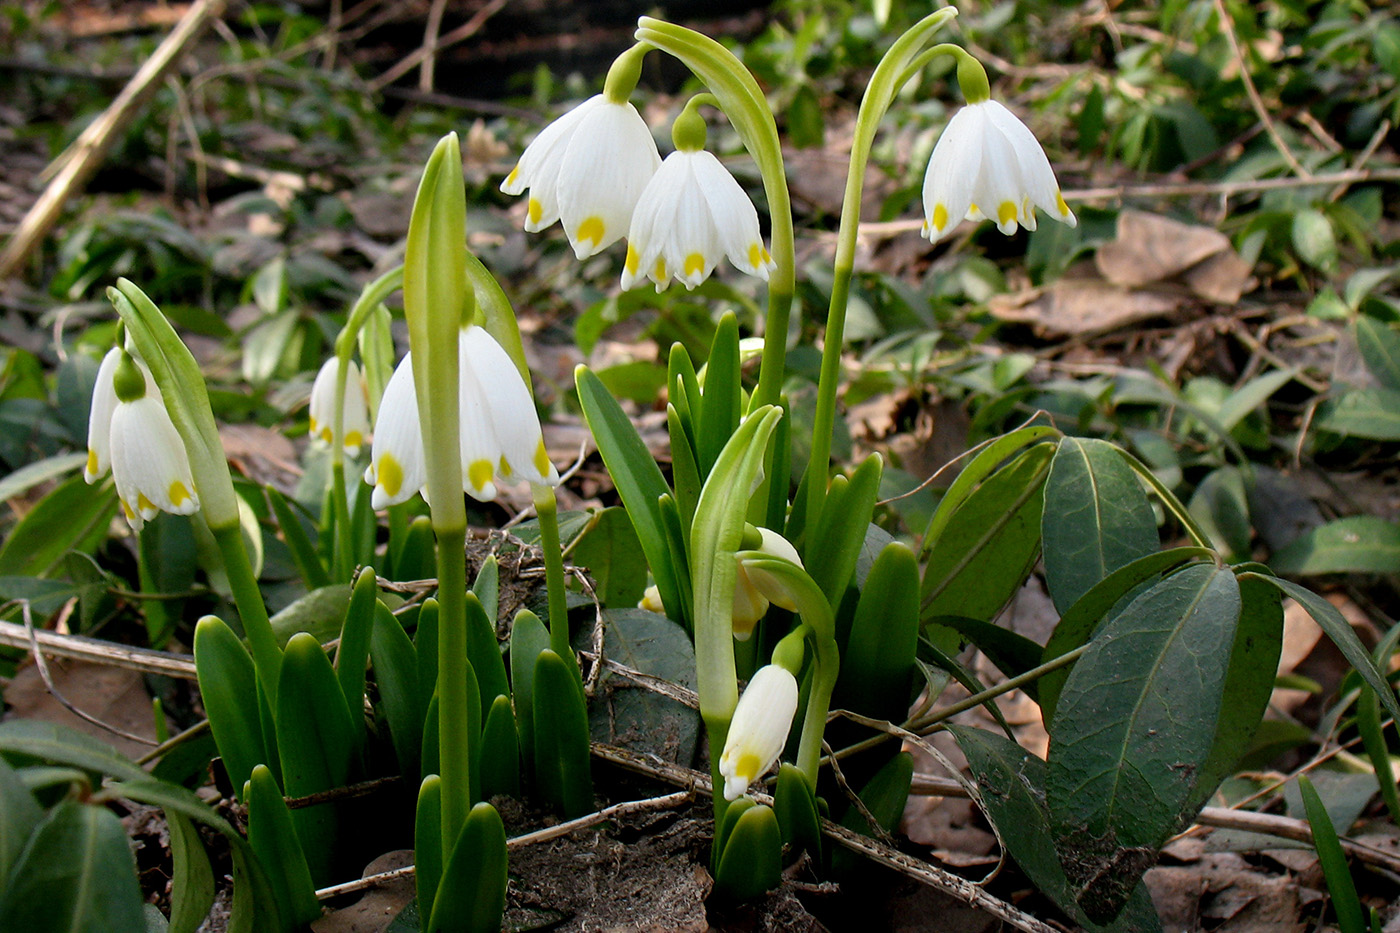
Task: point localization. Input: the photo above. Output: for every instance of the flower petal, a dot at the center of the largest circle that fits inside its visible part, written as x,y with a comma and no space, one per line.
397,469
609,160
149,462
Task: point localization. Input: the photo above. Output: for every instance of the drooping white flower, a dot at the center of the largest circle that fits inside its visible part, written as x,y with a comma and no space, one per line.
587,168
146,454
500,432
987,164
754,588
104,403
759,729
322,407
691,214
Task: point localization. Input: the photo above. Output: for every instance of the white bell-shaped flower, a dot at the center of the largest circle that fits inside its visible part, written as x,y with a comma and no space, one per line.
500,433
104,403
148,459
759,729
691,214
322,407
754,589
588,169
987,164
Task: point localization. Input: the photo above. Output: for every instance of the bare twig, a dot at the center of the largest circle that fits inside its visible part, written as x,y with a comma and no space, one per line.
82,648
81,159
43,665
430,45
1227,23
463,32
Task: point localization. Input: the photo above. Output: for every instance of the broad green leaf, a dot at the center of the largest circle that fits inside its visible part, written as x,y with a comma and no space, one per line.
43,741
273,837
1012,653
833,548
1380,349
320,613
624,712
19,814
1370,413
76,875
471,896
1245,399
499,760
1314,240
72,517
805,124
352,651
487,587
427,842
989,544
192,878
485,655
1221,504
1359,544
637,477
1011,782
1343,636
528,637
799,819
1134,726
877,667
609,549
1097,518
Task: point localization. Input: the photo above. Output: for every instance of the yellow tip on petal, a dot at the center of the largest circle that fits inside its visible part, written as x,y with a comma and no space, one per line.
326,434
503,468
632,260
534,210
1006,212
178,493
541,460
755,254
143,504
389,475
514,174
660,271
940,217
747,768
354,439
479,473
1060,203
92,462
694,263
126,511
592,228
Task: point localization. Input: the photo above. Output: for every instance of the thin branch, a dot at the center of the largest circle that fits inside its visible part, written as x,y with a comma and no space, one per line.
463,32
82,648
1227,23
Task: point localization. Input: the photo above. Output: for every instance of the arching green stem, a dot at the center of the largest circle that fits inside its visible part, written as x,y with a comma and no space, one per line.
889,76
547,508
743,102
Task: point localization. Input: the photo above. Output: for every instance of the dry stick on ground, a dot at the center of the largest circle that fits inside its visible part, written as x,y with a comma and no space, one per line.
463,32
1255,101
430,43
82,158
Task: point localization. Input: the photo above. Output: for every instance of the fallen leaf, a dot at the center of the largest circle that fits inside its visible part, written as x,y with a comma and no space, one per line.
1083,307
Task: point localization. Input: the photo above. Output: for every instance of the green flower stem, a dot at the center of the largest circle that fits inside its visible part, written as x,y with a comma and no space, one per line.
437,300
972,77
547,508
744,103
373,293
624,74
889,76
267,656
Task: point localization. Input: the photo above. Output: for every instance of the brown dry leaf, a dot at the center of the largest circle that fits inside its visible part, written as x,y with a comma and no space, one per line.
115,696
1077,307
374,912
1151,248
1222,892
263,455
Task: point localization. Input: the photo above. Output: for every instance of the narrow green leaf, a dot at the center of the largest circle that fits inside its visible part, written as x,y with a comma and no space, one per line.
313,571
417,555
1096,519
831,552
1245,399
192,877
1134,726
352,652
877,667
1340,885
485,655
76,875
274,839
472,894
795,805
884,795
1358,544
752,861
228,684
487,587
396,674
561,737
528,637
637,477
1368,723
425,644
40,471
1342,635
1370,413
685,471
427,843
19,814
719,405
499,761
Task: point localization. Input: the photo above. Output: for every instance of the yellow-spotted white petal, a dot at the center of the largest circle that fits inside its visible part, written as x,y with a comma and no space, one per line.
514,422
149,462
538,168
609,160
104,403
755,588
397,469
322,407
759,729
477,397
734,216
987,164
